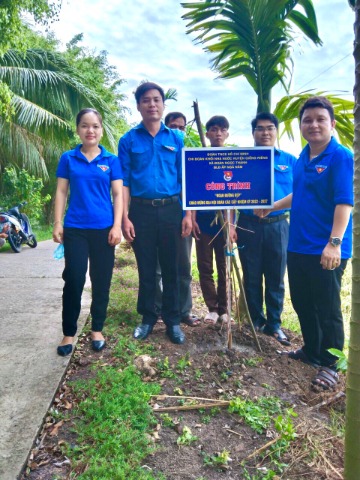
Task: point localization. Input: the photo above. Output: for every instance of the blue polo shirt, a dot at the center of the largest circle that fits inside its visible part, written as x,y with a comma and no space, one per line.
283,179
151,165
320,185
90,204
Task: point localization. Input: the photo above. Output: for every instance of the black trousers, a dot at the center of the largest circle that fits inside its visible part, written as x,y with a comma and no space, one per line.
315,295
80,247
157,235
262,250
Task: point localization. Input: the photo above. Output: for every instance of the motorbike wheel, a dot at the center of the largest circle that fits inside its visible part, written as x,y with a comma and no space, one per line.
32,242
14,240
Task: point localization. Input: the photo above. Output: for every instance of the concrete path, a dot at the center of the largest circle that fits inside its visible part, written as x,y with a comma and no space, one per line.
30,370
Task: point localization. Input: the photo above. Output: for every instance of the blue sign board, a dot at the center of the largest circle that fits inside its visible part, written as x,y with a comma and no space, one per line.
228,177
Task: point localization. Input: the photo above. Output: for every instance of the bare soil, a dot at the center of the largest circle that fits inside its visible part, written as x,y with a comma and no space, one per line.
209,370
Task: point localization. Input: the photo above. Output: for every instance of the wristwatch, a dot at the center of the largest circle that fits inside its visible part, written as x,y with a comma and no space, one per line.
335,241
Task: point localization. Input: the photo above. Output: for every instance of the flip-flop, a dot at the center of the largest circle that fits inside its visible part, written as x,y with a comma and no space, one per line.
191,320
224,319
211,318
326,378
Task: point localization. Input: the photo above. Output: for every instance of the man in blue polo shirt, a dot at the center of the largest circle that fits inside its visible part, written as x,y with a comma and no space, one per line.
150,154
177,121
263,242
320,238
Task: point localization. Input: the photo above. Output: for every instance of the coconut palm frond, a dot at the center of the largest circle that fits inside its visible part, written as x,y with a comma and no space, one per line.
287,111
252,38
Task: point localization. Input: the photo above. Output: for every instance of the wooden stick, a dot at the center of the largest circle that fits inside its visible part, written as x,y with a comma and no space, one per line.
328,401
198,123
264,447
232,431
191,407
162,397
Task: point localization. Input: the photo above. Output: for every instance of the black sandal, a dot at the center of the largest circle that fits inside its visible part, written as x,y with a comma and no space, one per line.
279,335
326,378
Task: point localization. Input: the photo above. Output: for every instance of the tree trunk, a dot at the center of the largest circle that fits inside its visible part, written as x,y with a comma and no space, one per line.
352,433
264,103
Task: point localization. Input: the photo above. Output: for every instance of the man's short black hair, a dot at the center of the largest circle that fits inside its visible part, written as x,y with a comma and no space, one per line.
219,121
318,102
146,86
264,116
173,116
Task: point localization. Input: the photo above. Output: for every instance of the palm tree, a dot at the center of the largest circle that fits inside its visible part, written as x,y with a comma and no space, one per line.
252,38
352,432
45,95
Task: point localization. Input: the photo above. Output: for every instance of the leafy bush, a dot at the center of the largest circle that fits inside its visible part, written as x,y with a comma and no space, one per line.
22,187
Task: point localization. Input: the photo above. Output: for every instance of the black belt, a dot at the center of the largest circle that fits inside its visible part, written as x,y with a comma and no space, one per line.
156,202
273,219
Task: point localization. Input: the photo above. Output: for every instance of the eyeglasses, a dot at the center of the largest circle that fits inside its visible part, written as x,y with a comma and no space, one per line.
270,128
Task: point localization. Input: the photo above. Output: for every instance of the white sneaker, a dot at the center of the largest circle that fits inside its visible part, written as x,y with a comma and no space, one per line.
224,318
211,318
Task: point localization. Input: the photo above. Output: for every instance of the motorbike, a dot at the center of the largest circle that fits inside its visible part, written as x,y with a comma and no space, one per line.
17,227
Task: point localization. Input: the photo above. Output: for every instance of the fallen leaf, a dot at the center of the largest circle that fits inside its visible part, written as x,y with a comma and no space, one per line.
55,430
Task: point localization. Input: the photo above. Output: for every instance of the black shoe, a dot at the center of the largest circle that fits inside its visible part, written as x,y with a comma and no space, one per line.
142,331
98,345
175,334
278,334
64,350
191,320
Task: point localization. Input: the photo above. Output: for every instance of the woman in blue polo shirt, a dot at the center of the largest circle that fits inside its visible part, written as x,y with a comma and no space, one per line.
92,225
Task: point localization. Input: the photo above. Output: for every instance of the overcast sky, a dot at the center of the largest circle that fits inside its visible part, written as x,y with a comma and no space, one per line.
147,40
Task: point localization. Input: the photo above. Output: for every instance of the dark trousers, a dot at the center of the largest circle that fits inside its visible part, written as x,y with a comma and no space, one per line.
184,279
262,249
157,236
215,298
80,247
315,295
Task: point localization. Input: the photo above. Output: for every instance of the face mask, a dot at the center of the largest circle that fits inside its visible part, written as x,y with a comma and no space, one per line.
181,134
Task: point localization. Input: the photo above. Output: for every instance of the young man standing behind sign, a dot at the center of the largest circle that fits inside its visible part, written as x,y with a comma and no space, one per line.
204,232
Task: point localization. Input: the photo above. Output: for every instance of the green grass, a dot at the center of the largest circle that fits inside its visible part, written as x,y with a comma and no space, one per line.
43,232
257,414
116,420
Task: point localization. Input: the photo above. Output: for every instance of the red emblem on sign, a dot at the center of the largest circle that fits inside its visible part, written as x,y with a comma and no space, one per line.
228,175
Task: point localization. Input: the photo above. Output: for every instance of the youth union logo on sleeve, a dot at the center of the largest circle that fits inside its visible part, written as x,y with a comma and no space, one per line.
104,168
228,175
320,168
283,167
